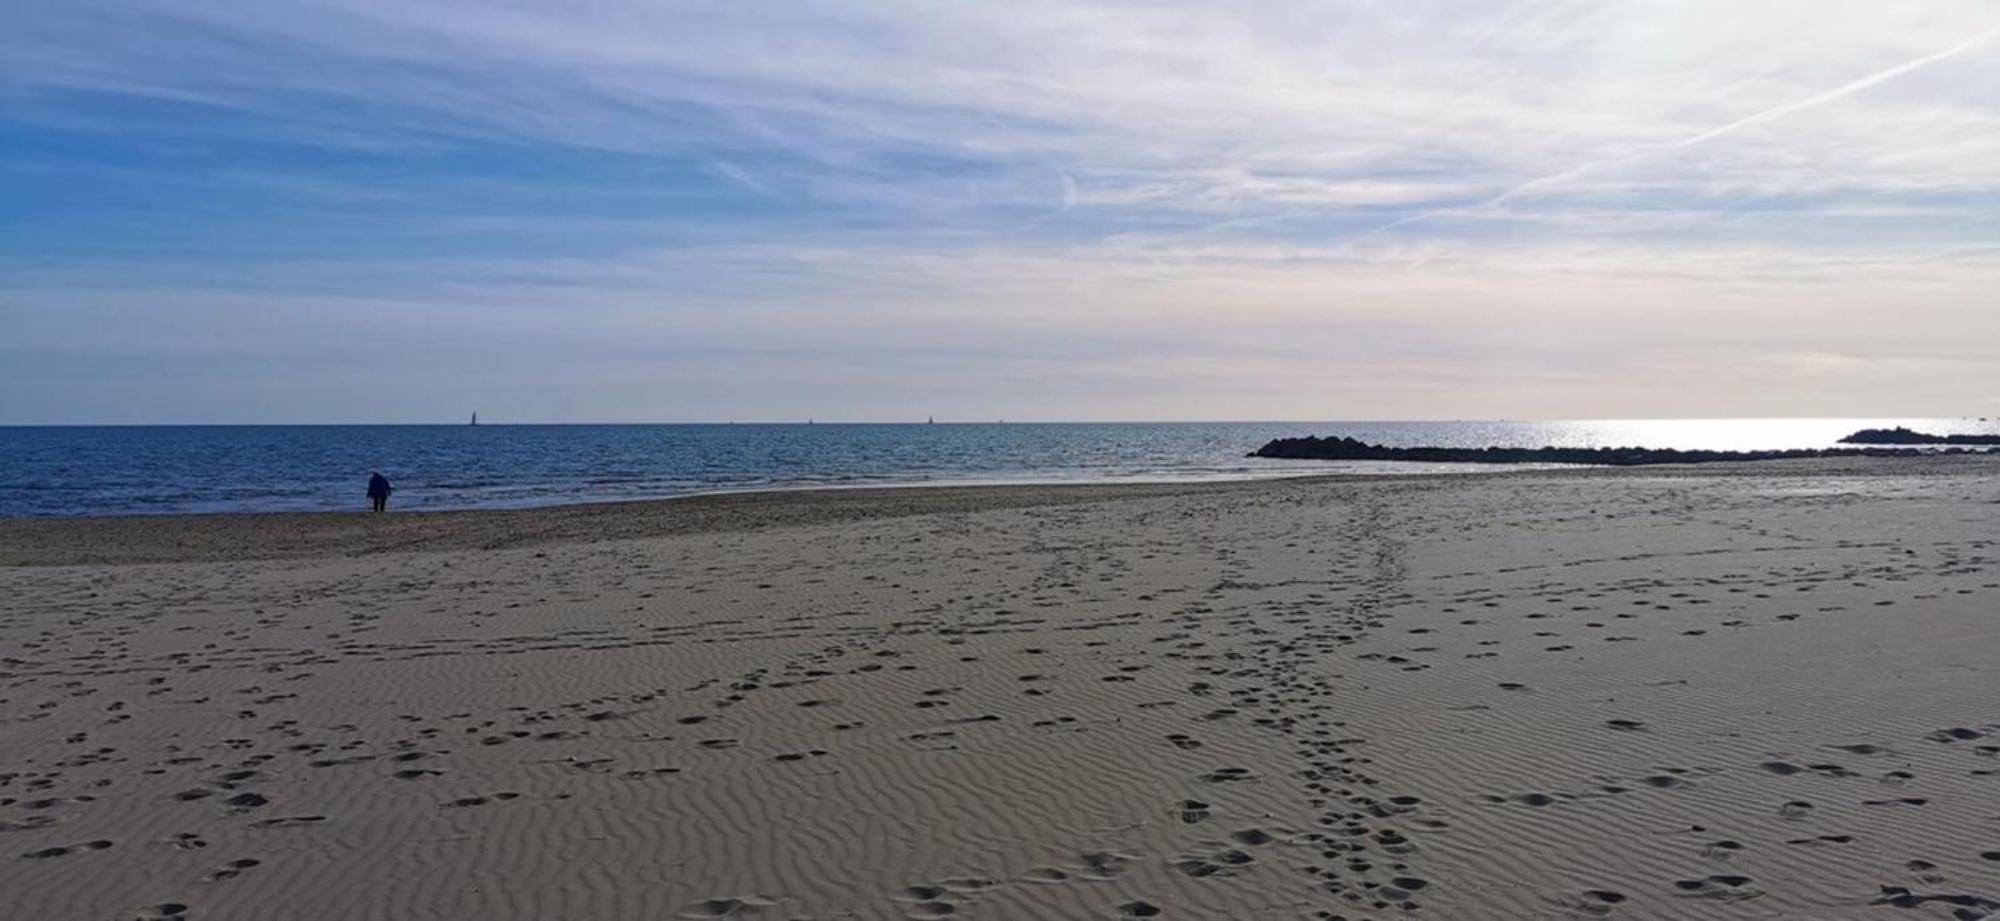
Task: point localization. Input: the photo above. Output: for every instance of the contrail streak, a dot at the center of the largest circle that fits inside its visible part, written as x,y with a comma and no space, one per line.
1775,112
1847,89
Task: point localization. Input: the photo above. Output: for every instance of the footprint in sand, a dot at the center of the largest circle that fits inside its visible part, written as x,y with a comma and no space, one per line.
1193,811
927,902
231,870
937,900
50,853
1228,775
1722,849
727,907
1720,888
289,821
1948,736
1197,867
1594,901
1971,906
1103,865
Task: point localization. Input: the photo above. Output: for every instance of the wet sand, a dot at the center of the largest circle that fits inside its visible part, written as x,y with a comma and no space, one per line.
1743,691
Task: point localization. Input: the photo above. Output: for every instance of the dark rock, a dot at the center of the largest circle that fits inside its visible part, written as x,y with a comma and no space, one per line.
1339,448
1903,436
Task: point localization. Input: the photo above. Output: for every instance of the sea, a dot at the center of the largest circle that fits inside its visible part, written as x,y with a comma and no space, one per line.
53,471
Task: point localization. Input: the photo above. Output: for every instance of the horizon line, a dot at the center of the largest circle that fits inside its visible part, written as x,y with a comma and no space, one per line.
964,422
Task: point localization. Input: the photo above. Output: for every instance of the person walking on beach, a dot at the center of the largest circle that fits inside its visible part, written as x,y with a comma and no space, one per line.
379,490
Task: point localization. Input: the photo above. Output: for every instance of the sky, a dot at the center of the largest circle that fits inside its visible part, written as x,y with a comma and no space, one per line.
408,210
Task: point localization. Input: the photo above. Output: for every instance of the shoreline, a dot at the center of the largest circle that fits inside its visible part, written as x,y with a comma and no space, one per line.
171,538
174,538
800,486
178,470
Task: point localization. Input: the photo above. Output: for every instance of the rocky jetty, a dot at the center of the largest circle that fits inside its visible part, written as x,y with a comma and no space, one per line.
1903,436
1340,448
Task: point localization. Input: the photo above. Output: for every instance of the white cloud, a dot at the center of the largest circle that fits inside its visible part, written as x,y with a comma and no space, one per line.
1247,105
1627,207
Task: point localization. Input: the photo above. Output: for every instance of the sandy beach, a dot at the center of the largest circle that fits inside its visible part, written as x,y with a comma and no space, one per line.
1740,691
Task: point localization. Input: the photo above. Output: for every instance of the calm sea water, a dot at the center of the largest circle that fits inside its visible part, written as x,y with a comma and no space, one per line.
61,471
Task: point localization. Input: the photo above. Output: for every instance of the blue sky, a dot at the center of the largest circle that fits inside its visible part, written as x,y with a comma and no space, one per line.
402,211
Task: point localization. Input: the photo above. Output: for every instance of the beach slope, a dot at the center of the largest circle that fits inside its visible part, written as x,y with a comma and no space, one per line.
1769,691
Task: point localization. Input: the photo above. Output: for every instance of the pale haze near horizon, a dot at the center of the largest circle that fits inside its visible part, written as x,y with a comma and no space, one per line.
374,211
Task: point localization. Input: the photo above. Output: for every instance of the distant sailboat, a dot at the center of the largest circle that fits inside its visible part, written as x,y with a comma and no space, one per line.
475,419
930,420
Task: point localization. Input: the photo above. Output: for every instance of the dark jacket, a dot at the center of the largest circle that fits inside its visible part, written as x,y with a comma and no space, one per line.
378,487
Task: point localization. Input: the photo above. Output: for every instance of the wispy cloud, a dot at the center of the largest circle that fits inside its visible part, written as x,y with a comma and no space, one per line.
1755,118
1545,183
1206,184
